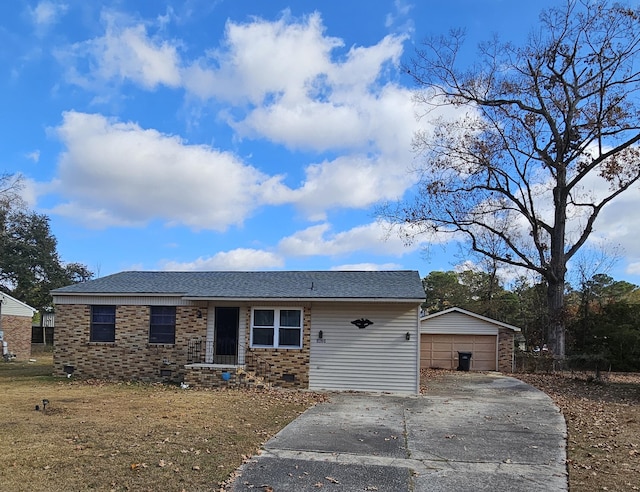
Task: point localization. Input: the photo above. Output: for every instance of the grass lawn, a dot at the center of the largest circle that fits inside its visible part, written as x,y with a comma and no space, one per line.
97,435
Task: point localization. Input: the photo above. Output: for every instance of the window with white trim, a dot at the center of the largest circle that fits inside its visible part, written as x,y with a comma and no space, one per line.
276,327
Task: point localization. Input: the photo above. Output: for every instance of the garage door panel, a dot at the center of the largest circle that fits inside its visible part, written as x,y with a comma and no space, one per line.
436,351
441,351
462,347
442,347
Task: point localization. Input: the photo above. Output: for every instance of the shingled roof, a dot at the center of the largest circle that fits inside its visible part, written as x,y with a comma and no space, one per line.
391,285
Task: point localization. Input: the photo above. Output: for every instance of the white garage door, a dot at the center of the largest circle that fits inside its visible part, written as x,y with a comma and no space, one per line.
441,351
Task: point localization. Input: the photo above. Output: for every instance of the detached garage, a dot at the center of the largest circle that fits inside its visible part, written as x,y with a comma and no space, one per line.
444,334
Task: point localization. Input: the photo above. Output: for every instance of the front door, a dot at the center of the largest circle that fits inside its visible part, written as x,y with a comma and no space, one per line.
226,335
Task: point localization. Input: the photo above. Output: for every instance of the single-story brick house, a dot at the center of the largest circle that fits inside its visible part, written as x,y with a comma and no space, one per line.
15,327
322,330
444,334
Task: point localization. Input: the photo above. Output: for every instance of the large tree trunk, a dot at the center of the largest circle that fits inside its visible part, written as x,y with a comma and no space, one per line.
555,303
557,268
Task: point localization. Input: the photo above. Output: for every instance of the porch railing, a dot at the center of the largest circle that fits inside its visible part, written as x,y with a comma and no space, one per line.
200,350
231,353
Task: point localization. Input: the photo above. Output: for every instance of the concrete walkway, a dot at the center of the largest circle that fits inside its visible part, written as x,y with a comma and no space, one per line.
469,432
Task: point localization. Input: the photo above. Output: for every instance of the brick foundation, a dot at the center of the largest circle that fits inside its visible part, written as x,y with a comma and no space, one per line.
207,376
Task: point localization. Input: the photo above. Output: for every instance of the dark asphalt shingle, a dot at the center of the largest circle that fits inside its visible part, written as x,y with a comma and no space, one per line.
403,284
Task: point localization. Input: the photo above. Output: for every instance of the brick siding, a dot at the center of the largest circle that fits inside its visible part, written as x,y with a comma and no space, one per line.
289,368
17,334
131,357
505,350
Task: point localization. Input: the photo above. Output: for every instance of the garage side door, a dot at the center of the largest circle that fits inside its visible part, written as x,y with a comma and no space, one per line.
441,351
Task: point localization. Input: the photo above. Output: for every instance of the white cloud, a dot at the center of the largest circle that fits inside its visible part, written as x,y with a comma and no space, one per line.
262,59
285,82
377,122
47,13
375,238
301,95
618,226
312,125
238,259
126,52
340,105
633,268
399,19
350,181
33,156
119,173
313,241
374,133
29,192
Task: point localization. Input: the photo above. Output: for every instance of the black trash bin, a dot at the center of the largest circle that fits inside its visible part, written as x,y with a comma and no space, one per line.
464,361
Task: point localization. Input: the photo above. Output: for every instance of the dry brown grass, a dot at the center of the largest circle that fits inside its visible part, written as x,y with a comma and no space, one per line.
96,435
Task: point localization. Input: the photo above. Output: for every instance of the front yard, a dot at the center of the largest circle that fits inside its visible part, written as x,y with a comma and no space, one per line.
95,435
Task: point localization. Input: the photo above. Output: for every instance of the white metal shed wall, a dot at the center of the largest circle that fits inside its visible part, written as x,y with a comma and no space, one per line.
376,358
457,324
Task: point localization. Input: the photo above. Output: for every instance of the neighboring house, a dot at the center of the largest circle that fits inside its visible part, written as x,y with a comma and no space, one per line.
332,330
15,327
454,330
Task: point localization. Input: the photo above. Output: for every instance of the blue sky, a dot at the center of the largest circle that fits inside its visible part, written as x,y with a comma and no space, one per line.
232,135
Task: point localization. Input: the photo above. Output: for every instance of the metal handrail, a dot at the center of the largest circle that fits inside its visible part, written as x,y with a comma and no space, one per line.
235,353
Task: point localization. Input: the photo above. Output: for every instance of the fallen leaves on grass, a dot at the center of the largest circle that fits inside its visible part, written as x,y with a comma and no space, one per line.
603,425
104,428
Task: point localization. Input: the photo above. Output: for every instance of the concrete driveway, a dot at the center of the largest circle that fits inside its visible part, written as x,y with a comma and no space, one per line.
469,432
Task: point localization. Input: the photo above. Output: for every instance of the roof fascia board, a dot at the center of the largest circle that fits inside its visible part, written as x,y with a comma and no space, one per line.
303,299
118,294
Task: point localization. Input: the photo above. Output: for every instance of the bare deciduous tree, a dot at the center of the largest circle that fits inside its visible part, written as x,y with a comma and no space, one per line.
548,138
10,187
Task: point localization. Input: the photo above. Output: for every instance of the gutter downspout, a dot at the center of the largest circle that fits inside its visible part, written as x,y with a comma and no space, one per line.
418,341
5,347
